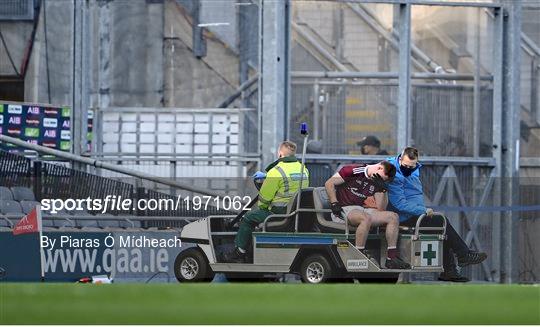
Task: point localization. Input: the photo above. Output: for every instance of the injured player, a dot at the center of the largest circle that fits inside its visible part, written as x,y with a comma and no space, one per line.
348,190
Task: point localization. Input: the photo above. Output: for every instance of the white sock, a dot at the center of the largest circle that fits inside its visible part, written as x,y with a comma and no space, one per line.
360,248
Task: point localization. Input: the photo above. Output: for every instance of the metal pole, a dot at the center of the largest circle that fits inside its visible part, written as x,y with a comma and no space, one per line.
287,69
404,79
86,68
80,95
274,76
511,135
497,140
535,91
476,103
260,83
104,57
75,104
316,110
304,132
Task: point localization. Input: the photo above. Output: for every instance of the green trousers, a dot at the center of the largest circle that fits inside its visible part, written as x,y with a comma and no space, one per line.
250,221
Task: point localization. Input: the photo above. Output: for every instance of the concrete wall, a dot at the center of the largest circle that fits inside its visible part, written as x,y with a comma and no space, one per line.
139,54
58,48
223,11
189,81
136,53
17,36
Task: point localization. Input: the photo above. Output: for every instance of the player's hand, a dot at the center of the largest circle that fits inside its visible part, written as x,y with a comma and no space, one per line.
429,212
370,202
336,209
378,181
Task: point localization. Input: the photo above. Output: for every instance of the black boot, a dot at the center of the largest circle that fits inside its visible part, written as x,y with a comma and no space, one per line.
396,263
235,256
452,275
471,258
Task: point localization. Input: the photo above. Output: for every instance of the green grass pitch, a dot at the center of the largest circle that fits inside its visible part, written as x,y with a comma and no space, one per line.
236,303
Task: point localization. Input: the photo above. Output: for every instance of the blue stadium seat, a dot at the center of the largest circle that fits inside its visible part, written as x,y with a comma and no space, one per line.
66,222
130,224
5,193
10,207
109,224
82,222
48,222
28,206
21,193
4,223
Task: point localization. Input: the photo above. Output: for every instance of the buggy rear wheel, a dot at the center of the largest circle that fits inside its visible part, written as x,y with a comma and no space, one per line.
315,269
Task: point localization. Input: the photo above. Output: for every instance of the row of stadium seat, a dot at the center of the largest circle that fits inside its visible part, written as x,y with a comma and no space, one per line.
62,221
17,193
17,201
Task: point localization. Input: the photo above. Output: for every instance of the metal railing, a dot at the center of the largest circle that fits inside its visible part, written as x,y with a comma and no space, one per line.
183,140
16,10
100,164
344,107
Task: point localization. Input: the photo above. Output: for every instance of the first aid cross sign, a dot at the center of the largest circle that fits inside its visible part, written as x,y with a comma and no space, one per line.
429,252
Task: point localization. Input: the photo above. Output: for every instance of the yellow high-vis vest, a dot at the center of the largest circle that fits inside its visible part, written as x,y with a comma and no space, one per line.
282,181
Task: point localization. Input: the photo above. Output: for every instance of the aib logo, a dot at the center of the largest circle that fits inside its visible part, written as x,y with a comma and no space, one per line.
51,133
15,120
33,111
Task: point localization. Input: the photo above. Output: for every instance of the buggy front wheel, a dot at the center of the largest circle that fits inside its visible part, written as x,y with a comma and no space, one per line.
191,266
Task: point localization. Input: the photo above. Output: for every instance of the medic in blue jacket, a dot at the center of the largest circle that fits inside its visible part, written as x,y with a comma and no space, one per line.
406,198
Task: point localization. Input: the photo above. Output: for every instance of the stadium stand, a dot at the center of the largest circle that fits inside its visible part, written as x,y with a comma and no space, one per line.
21,193
5,193
10,207
26,181
4,223
28,205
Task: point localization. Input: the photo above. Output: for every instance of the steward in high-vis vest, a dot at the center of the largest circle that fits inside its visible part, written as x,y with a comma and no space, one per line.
281,182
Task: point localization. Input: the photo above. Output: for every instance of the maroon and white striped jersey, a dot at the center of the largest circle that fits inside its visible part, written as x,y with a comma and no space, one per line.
357,186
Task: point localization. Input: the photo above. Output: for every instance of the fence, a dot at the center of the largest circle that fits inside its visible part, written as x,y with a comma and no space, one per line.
442,115
57,181
363,38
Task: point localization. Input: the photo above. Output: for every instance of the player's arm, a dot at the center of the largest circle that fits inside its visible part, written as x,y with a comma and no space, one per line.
396,195
331,184
330,187
381,199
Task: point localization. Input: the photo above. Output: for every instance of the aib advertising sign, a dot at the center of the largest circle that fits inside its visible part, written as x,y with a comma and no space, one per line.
46,126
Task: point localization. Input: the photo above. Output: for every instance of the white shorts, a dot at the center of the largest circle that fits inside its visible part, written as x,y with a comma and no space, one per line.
348,209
